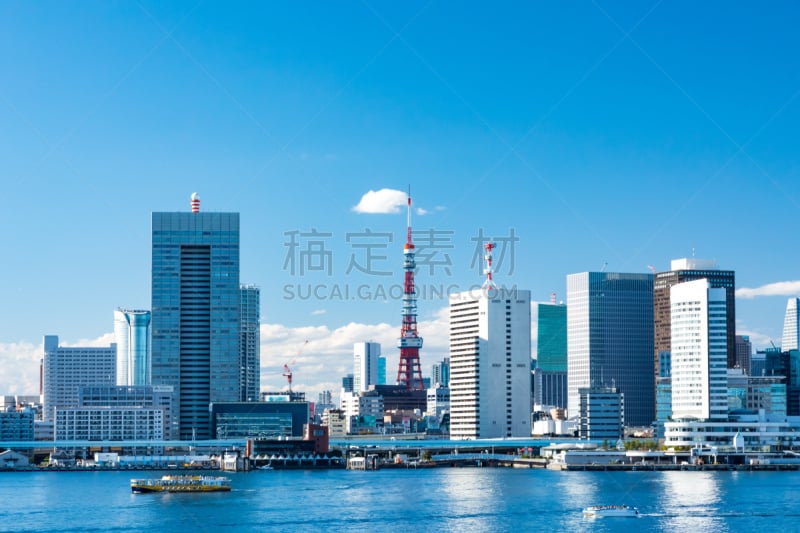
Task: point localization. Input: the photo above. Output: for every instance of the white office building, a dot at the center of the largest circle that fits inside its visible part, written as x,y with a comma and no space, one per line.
438,401
365,365
490,360
65,370
699,351
791,326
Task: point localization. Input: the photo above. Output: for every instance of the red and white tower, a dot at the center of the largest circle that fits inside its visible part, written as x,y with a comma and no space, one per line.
489,283
409,372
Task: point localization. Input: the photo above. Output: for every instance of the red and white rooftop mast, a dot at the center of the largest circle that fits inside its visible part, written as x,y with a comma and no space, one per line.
489,282
195,200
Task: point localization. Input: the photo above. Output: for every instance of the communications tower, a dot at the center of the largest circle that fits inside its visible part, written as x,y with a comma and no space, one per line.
408,372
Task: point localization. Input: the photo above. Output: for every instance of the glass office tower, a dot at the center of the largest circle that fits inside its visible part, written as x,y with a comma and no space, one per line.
250,344
132,333
195,314
610,339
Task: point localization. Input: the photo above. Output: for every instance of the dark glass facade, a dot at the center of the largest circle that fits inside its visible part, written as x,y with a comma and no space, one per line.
196,314
610,339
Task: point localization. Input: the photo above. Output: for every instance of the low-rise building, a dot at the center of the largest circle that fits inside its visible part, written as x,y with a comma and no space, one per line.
265,419
602,413
362,410
755,429
109,423
336,421
12,459
146,396
438,401
16,425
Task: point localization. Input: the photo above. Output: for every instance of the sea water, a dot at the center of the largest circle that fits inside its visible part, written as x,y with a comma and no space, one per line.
441,499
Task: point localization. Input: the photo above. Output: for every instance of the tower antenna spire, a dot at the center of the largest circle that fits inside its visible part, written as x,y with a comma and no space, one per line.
408,216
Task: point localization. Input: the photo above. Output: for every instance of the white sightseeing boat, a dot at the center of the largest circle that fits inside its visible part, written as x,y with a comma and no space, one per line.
611,510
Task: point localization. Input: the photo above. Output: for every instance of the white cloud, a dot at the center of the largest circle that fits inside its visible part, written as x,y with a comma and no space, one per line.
319,312
384,201
780,288
20,364
103,341
421,211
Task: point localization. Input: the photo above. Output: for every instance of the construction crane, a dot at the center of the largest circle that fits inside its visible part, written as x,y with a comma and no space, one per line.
287,372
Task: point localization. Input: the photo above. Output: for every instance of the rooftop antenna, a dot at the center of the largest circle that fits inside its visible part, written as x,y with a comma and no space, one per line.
195,201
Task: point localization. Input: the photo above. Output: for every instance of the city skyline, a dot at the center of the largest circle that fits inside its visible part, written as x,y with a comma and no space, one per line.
596,136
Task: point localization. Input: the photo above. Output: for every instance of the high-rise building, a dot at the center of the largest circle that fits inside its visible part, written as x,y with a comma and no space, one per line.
440,373
65,370
348,383
549,323
132,333
549,333
549,388
699,351
490,360
381,370
195,307
610,339
744,352
249,344
365,365
689,269
791,326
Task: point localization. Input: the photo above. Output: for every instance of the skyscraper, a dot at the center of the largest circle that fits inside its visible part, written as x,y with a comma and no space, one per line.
689,269
549,322
440,372
490,360
347,383
132,333
699,351
65,370
382,370
610,339
791,326
195,307
744,352
249,344
365,365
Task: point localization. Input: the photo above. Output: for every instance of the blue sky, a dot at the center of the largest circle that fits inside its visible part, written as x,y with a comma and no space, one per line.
625,134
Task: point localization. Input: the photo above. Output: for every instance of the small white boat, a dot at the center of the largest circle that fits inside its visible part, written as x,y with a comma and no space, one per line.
611,510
